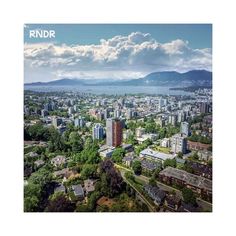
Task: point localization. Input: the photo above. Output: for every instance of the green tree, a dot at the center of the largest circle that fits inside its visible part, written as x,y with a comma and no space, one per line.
111,177
93,199
156,173
152,182
129,175
150,127
137,168
75,142
195,156
180,155
89,155
56,141
170,162
188,196
118,155
59,202
89,171
36,132
32,197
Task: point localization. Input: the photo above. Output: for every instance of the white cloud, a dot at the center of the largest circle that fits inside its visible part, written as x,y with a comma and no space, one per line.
119,57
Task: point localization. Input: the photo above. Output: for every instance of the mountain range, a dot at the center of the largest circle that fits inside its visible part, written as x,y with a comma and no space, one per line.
201,78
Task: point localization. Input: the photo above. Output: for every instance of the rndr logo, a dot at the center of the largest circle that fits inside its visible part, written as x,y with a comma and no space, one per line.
42,33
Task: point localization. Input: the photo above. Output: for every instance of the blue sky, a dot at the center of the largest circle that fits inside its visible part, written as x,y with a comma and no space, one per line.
117,51
198,35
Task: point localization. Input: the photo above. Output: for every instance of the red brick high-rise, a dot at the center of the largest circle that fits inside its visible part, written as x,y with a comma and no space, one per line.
113,132
117,130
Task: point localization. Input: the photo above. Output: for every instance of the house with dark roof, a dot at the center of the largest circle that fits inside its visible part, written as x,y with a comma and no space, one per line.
155,193
149,165
201,169
78,191
187,207
60,189
128,147
172,202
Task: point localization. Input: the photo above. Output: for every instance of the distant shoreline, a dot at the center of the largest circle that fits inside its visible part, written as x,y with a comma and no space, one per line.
191,88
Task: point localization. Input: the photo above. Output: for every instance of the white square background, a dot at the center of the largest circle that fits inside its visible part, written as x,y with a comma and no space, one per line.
13,16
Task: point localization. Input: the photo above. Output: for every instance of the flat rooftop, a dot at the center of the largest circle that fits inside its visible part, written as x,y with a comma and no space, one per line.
194,180
156,155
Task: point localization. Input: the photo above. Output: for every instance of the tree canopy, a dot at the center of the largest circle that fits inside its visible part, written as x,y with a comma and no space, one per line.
137,168
118,155
188,196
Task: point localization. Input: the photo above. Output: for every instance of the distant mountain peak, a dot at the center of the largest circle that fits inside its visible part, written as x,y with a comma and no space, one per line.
161,78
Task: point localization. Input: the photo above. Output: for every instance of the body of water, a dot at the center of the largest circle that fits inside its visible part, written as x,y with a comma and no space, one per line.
110,90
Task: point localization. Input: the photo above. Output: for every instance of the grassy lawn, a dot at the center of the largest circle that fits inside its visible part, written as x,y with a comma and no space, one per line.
162,149
139,181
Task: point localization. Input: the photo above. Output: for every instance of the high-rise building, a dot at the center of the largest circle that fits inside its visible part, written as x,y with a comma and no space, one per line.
109,132
44,113
180,104
46,107
79,122
204,107
117,113
162,102
56,121
172,120
98,131
113,132
184,128
129,114
117,133
160,121
178,143
121,101
100,115
106,114
70,110
180,117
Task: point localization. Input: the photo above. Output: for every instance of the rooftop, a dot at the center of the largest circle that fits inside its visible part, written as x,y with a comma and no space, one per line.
155,192
39,162
150,165
60,188
89,185
128,158
105,201
78,190
156,155
194,180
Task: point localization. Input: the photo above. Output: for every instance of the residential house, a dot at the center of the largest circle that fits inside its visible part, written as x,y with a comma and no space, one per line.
155,193
89,186
172,202
58,160
78,191
39,163
60,189
127,160
149,166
